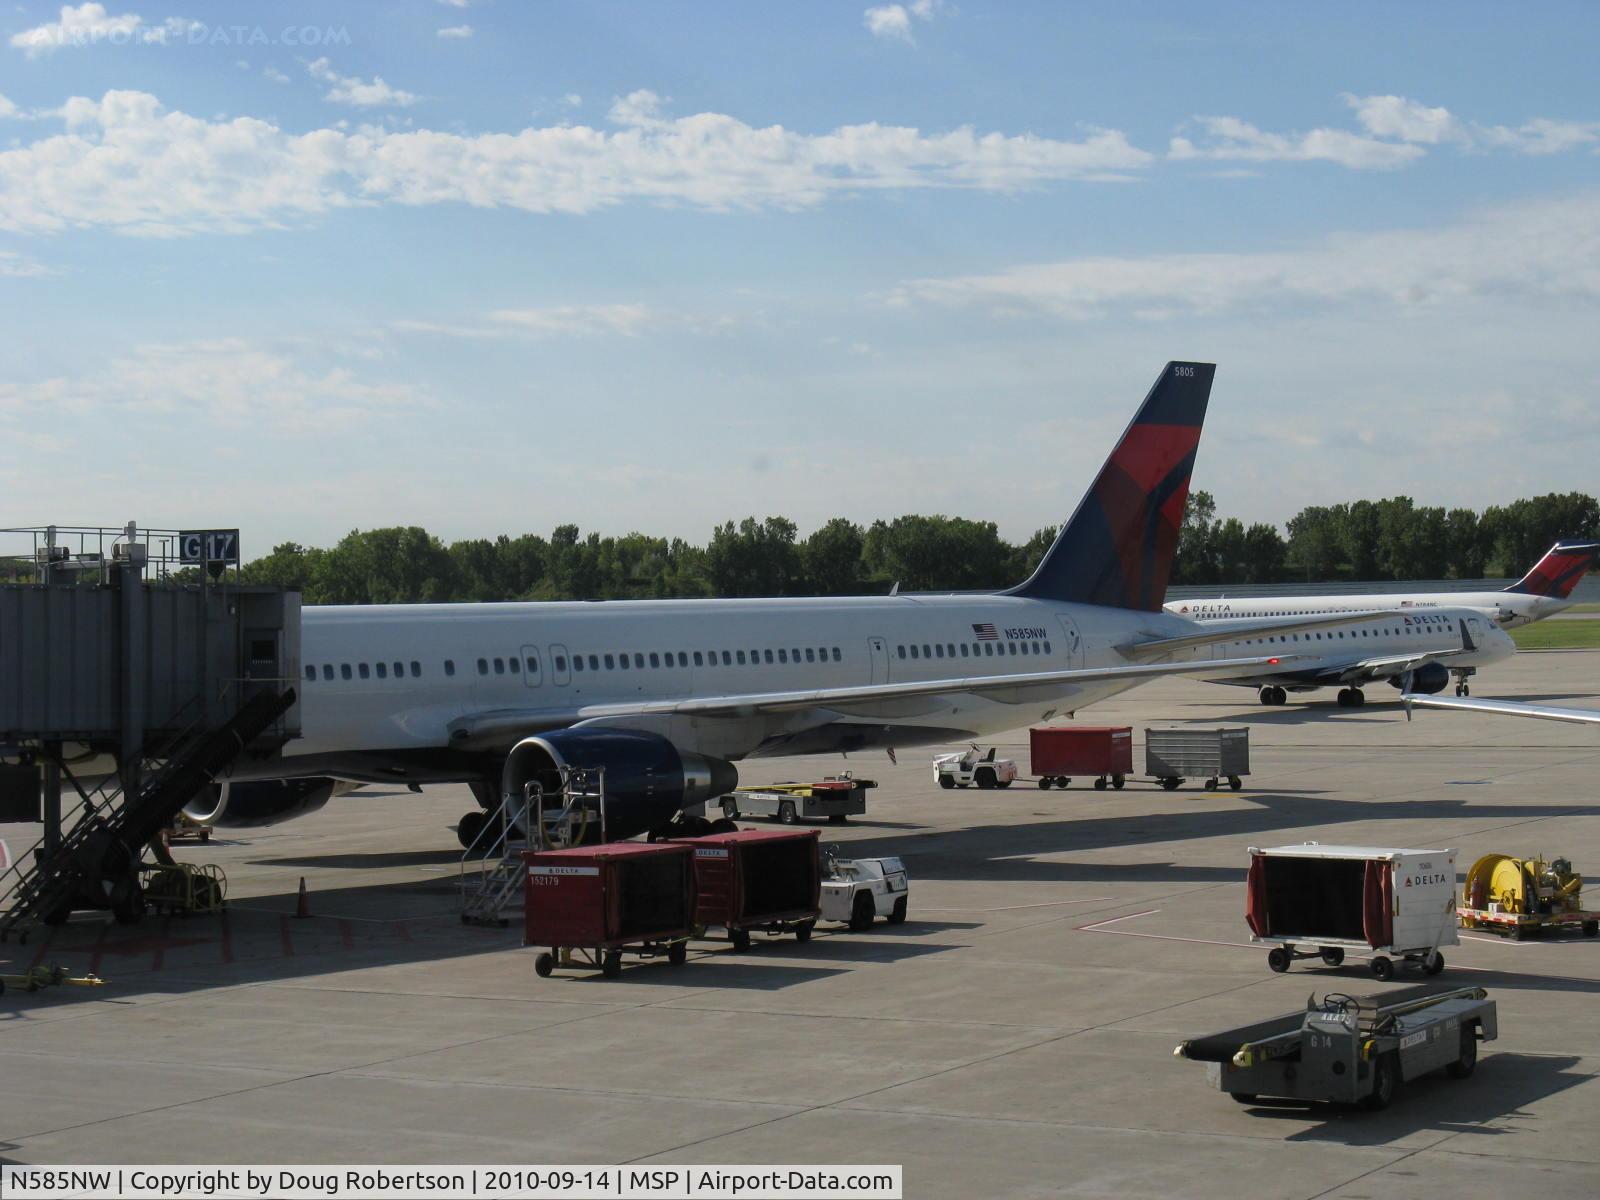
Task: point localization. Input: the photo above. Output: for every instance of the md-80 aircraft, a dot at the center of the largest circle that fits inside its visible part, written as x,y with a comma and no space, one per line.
667,695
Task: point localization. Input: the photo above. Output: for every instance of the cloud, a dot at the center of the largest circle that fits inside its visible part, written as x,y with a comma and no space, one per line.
88,24
455,32
15,266
351,89
894,20
230,382
1231,138
570,320
271,72
125,163
1407,120
456,3
7,108
1536,250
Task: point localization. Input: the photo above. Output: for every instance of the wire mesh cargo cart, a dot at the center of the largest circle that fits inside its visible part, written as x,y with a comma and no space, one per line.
1315,901
1349,1049
757,879
592,904
1103,753
1173,755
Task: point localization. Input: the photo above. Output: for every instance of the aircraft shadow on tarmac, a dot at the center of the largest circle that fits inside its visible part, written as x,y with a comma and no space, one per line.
1503,1086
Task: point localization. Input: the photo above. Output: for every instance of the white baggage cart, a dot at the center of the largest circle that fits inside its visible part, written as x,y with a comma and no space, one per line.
1316,901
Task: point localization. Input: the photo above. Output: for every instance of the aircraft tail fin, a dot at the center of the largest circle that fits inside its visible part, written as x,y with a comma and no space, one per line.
1117,548
1558,572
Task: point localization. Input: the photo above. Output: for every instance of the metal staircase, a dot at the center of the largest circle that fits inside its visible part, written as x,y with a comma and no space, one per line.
96,862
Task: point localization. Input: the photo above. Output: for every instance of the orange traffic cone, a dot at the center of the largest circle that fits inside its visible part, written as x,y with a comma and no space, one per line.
302,908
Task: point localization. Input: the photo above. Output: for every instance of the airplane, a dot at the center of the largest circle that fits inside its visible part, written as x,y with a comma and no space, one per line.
667,696
1506,708
1542,592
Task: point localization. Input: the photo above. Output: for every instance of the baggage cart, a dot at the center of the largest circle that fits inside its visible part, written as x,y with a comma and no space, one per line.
1347,1049
1101,752
1173,755
1315,901
837,797
591,904
757,879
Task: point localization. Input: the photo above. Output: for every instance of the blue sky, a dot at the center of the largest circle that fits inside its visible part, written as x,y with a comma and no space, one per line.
489,267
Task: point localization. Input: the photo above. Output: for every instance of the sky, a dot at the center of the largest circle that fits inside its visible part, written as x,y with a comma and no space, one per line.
490,267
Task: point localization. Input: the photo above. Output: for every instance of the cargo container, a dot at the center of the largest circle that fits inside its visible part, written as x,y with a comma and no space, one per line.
1173,755
1103,753
589,904
1315,901
757,879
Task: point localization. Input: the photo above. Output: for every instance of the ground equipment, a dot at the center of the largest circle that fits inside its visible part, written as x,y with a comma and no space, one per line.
179,889
1173,755
858,890
1315,901
838,798
590,904
1517,896
757,879
36,979
1103,752
1348,1049
971,767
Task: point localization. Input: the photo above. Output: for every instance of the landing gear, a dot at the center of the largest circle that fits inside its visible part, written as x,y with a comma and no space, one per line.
1351,697
1272,695
470,827
1463,688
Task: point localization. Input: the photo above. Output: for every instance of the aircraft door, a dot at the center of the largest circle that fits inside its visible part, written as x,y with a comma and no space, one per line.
878,651
1072,642
532,666
560,672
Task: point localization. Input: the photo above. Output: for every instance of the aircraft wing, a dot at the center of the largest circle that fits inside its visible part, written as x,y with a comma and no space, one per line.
1507,708
1233,629
501,724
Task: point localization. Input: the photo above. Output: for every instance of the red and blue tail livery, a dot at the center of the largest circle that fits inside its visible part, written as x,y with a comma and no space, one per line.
1558,572
1117,549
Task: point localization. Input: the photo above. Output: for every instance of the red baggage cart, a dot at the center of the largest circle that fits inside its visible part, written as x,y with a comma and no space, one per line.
589,904
758,879
1104,752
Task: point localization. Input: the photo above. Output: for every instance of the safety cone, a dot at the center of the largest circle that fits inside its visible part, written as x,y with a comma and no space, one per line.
302,908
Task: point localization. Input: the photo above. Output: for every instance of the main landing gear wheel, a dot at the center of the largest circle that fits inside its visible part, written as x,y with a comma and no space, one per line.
1463,689
470,827
1351,698
723,825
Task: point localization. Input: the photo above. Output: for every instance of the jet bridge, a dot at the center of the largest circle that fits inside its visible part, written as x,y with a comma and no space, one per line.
134,667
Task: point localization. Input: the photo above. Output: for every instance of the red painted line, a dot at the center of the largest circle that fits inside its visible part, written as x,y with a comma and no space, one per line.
227,938
99,948
347,935
286,936
160,954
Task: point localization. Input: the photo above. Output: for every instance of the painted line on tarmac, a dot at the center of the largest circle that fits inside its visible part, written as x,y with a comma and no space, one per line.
1099,927
1013,907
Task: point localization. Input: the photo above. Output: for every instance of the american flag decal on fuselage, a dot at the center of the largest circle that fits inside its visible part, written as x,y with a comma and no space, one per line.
986,633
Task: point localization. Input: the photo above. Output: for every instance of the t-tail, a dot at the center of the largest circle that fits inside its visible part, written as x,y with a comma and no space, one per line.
1558,572
1117,549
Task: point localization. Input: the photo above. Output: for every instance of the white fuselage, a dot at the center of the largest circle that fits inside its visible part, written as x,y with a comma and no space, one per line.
1507,609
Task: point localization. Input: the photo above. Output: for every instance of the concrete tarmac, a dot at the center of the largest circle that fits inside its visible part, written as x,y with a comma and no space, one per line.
1013,1038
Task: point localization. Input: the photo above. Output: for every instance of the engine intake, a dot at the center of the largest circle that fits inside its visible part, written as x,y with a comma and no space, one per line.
259,802
1426,679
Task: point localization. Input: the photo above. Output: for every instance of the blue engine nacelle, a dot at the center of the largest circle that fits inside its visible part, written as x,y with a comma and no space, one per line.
647,778
258,802
1426,679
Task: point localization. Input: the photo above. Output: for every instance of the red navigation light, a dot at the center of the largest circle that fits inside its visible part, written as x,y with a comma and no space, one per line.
1272,662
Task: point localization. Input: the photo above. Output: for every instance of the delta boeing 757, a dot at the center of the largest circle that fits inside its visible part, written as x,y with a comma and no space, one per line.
667,695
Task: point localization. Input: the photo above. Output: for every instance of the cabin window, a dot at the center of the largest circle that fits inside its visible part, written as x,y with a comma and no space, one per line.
766,656
964,652
364,671
914,653
727,658
1047,647
311,672
383,670
577,662
783,655
938,651
683,658
533,664
837,657
344,670
450,666
327,670
655,660
622,661
483,666
900,651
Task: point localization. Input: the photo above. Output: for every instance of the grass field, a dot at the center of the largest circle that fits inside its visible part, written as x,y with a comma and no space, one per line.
1558,635
1588,608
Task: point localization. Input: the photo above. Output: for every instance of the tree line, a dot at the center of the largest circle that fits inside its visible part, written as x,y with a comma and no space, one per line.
1383,539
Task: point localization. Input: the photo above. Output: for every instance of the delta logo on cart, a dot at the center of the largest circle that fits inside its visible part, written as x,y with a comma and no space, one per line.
1427,880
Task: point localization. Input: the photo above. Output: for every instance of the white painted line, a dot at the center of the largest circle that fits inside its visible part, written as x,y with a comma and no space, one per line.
1013,907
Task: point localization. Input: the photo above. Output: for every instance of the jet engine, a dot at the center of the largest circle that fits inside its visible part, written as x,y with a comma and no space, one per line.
259,802
1426,679
647,778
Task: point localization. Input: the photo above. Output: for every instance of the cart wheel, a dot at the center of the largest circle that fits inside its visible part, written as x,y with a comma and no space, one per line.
1332,955
678,953
1044,783
1278,959
611,964
897,914
543,965
1242,1097
1467,1060
802,932
1385,1079
740,939
1434,963
786,814
1591,928
862,910
1118,780
724,825
1211,785
1100,784
1235,782
945,781
1170,784
1383,968
985,779
1515,933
